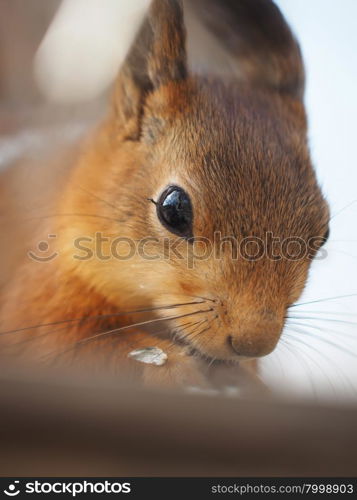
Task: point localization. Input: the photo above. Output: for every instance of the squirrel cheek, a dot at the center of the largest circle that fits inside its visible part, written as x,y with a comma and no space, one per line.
189,288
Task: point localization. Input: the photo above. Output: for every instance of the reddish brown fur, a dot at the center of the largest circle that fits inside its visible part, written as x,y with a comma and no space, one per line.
239,149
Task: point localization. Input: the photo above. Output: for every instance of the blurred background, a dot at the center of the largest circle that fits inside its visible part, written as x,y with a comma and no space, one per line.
57,63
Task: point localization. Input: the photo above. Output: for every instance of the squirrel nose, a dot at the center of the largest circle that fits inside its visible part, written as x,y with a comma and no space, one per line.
256,342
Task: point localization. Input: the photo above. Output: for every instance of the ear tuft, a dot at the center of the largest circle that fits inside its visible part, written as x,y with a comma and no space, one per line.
157,57
167,60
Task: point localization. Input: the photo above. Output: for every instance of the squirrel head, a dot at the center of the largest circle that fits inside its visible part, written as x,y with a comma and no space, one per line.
205,185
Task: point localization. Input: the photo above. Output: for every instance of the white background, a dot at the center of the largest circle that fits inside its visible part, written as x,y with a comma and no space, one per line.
327,32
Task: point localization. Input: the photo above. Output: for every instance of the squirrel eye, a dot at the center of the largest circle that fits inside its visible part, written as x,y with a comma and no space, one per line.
174,211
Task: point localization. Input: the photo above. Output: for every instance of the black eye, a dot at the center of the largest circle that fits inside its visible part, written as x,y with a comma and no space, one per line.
174,211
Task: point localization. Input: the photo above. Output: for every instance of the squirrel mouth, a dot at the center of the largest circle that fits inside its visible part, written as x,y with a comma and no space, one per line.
203,356
210,360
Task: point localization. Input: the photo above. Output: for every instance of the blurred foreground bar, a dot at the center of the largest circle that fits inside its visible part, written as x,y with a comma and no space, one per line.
54,427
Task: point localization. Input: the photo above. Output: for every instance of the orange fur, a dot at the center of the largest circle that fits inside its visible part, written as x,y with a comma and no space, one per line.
239,149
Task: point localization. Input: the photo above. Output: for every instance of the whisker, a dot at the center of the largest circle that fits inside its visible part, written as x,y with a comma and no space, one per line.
100,316
211,362
199,333
203,298
183,338
208,340
117,340
96,216
189,335
326,341
99,199
333,320
330,313
343,209
182,328
323,300
343,253
295,339
163,330
100,335
34,338
326,329
301,360
342,241
325,357
280,364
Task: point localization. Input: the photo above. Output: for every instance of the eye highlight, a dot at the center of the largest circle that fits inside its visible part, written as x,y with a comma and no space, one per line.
174,211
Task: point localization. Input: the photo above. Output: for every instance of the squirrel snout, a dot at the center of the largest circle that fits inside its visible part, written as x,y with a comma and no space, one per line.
257,341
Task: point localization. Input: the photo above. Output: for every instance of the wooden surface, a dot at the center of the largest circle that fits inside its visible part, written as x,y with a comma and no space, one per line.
53,426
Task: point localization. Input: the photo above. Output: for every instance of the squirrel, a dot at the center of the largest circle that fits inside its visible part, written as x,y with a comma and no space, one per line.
181,157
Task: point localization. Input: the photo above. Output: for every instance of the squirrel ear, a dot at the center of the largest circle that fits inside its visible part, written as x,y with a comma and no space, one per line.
258,41
157,56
